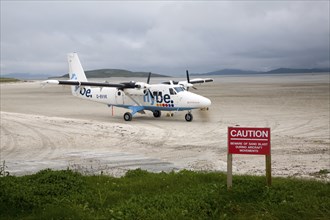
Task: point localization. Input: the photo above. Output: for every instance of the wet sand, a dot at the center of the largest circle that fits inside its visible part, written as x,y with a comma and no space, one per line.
49,128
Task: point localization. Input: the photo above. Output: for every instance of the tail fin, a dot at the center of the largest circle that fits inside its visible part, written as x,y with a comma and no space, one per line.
76,72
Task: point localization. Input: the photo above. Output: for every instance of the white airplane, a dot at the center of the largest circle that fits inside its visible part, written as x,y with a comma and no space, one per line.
137,96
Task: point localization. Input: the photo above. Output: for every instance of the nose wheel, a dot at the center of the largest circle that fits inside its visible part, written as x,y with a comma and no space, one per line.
189,117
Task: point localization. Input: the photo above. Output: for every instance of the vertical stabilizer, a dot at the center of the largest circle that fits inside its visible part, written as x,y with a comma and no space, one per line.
76,72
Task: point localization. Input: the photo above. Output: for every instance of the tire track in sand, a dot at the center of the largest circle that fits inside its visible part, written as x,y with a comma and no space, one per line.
8,142
41,146
41,141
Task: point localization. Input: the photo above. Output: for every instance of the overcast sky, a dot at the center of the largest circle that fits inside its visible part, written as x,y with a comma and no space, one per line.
164,37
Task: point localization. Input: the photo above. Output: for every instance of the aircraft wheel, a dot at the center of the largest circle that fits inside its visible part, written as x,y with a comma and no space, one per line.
188,117
157,113
128,116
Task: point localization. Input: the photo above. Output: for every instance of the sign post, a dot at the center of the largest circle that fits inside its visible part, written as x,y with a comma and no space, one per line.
229,171
268,170
245,140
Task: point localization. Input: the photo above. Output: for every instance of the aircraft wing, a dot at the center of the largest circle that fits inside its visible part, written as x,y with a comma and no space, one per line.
200,81
191,82
96,84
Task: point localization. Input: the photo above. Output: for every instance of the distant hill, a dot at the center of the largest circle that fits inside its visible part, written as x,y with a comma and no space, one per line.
289,70
106,73
275,71
228,72
25,76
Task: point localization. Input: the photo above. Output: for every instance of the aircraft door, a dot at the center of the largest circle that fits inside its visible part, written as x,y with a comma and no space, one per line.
120,97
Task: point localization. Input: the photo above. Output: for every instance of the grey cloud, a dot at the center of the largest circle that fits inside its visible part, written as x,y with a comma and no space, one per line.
165,37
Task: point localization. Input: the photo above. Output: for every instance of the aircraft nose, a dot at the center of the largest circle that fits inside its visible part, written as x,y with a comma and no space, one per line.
197,101
206,102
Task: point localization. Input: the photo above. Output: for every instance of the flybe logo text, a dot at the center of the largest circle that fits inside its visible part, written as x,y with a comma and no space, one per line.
158,99
86,92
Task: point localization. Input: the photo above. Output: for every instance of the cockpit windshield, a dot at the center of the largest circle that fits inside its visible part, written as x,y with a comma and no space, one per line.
179,89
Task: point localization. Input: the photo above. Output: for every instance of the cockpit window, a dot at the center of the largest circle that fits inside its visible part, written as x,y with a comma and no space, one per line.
172,92
179,89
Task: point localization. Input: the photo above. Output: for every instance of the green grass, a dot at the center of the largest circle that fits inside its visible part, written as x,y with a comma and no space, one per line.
142,195
6,80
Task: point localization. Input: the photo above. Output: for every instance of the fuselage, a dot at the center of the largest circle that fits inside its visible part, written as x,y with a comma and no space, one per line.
156,97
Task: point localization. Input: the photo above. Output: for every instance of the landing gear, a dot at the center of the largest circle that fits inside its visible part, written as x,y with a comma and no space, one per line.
169,114
128,116
188,117
157,113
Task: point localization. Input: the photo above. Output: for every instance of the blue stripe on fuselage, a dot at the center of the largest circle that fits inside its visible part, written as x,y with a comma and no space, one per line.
152,108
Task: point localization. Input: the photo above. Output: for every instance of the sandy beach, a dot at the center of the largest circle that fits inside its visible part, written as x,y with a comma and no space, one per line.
49,128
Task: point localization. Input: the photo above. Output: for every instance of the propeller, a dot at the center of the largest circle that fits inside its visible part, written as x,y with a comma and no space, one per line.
188,79
150,93
148,80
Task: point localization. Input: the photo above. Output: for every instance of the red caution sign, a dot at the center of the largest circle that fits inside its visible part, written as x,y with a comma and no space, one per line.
243,140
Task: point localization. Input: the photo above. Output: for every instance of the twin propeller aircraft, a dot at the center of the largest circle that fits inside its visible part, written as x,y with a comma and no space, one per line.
137,96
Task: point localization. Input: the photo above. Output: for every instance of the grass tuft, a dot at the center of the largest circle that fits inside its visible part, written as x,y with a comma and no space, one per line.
142,195
7,80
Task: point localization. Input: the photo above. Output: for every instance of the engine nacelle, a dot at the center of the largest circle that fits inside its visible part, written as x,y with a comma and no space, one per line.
185,84
141,85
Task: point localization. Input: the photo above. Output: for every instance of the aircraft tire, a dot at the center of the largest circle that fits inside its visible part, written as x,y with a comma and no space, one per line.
189,117
128,116
157,113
